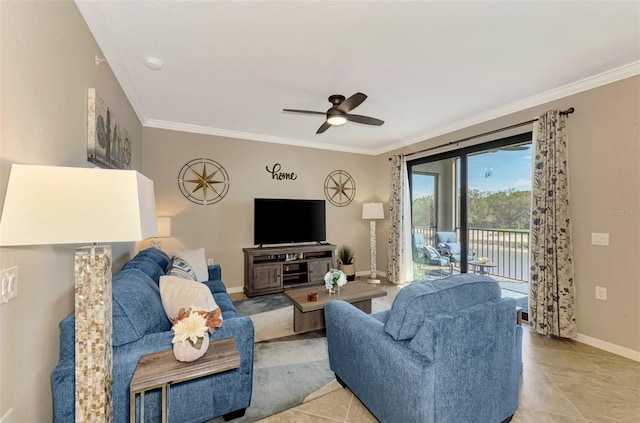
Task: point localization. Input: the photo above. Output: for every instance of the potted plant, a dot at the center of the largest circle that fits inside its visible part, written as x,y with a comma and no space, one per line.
346,260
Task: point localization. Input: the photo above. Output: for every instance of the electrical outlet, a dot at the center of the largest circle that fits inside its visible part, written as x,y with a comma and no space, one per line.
8,284
210,262
599,239
601,293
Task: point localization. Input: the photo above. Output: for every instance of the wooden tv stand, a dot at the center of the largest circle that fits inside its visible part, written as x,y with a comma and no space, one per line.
269,270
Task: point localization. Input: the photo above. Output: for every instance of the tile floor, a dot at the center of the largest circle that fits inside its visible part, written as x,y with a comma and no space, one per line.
563,381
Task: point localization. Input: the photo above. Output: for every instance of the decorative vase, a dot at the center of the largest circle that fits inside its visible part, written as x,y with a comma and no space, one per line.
335,288
185,352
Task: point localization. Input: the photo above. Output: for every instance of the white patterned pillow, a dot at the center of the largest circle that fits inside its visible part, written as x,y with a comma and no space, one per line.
197,261
180,268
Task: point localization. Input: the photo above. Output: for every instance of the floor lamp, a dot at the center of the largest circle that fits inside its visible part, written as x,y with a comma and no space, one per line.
60,205
373,211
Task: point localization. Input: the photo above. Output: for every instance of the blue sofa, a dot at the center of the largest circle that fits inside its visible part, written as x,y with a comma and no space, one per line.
447,351
140,326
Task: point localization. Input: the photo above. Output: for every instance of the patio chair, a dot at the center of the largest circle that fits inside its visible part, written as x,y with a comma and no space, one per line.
448,246
428,255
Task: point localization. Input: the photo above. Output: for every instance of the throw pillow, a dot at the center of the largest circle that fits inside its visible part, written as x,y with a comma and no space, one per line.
180,268
196,260
177,293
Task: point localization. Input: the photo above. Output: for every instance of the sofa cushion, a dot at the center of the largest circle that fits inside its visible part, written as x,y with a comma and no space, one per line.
137,308
216,286
422,300
226,306
196,260
180,268
157,255
147,265
177,293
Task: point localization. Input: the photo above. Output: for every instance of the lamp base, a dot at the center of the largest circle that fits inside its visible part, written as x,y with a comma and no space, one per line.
373,280
93,334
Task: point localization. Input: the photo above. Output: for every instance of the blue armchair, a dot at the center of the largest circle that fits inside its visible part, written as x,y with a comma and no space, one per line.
427,255
448,350
448,245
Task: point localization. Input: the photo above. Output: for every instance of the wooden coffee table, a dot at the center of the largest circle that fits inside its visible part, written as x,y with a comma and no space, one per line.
309,315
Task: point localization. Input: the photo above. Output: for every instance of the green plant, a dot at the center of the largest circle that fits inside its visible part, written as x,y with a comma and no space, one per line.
346,254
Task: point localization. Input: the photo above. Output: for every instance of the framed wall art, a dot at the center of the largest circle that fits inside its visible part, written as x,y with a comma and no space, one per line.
108,143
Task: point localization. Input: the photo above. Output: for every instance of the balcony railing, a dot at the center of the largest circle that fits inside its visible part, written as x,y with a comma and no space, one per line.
508,248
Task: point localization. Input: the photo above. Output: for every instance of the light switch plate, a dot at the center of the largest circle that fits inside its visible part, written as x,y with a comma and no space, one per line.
599,238
8,284
601,293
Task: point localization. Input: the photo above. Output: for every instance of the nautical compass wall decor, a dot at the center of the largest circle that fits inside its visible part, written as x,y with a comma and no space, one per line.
203,181
339,188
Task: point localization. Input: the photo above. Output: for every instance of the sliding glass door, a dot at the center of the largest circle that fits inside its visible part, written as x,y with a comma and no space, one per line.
473,204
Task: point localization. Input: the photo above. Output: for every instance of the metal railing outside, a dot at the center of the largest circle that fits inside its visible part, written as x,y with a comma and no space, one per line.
508,248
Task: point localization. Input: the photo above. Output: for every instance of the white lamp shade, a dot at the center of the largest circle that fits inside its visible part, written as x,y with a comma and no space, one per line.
164,227
372,211
64,205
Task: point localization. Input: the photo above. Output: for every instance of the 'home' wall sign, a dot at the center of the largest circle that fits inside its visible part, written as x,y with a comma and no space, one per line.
281,176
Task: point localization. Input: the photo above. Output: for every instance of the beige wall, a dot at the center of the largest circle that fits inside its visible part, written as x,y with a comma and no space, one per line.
47,64
224,228
604,166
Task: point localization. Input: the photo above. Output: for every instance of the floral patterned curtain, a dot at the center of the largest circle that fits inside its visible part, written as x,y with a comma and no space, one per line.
400,269
551,285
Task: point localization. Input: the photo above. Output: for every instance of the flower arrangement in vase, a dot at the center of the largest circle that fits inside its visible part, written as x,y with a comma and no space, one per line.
191,340
334,279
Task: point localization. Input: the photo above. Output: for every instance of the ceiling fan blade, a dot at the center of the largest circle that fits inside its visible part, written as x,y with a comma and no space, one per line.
352,102
364,119
309,112
323,127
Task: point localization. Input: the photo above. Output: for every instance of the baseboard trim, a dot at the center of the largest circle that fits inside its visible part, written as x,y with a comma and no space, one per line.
612,348
235,290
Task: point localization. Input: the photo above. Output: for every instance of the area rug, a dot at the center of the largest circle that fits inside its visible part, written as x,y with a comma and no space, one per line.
261,304
288,368
284,374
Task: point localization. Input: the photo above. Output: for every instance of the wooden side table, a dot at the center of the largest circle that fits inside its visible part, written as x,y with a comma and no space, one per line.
159,370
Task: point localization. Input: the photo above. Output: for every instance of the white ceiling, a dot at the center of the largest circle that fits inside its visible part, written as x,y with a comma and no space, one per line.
230,67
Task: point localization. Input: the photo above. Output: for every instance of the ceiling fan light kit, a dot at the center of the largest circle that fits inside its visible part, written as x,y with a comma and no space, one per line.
338,113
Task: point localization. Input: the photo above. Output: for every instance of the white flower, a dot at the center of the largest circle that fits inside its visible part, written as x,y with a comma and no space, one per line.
334,276
190,328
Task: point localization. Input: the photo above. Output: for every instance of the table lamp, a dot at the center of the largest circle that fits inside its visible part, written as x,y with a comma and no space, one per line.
373,211
62,205
164,231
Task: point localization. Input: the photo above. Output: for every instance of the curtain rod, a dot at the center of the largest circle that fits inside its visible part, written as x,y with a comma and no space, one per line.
506,128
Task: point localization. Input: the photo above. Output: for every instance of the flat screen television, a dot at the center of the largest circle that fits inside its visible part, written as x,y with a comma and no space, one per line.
284,221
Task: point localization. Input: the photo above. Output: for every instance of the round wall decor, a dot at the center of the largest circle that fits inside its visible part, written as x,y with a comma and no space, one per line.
339,188
203,181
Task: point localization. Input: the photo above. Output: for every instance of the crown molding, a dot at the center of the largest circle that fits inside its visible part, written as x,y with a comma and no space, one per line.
604,78
595,81
227,133
98,24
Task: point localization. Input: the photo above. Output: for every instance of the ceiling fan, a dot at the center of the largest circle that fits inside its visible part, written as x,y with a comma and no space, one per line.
338,113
